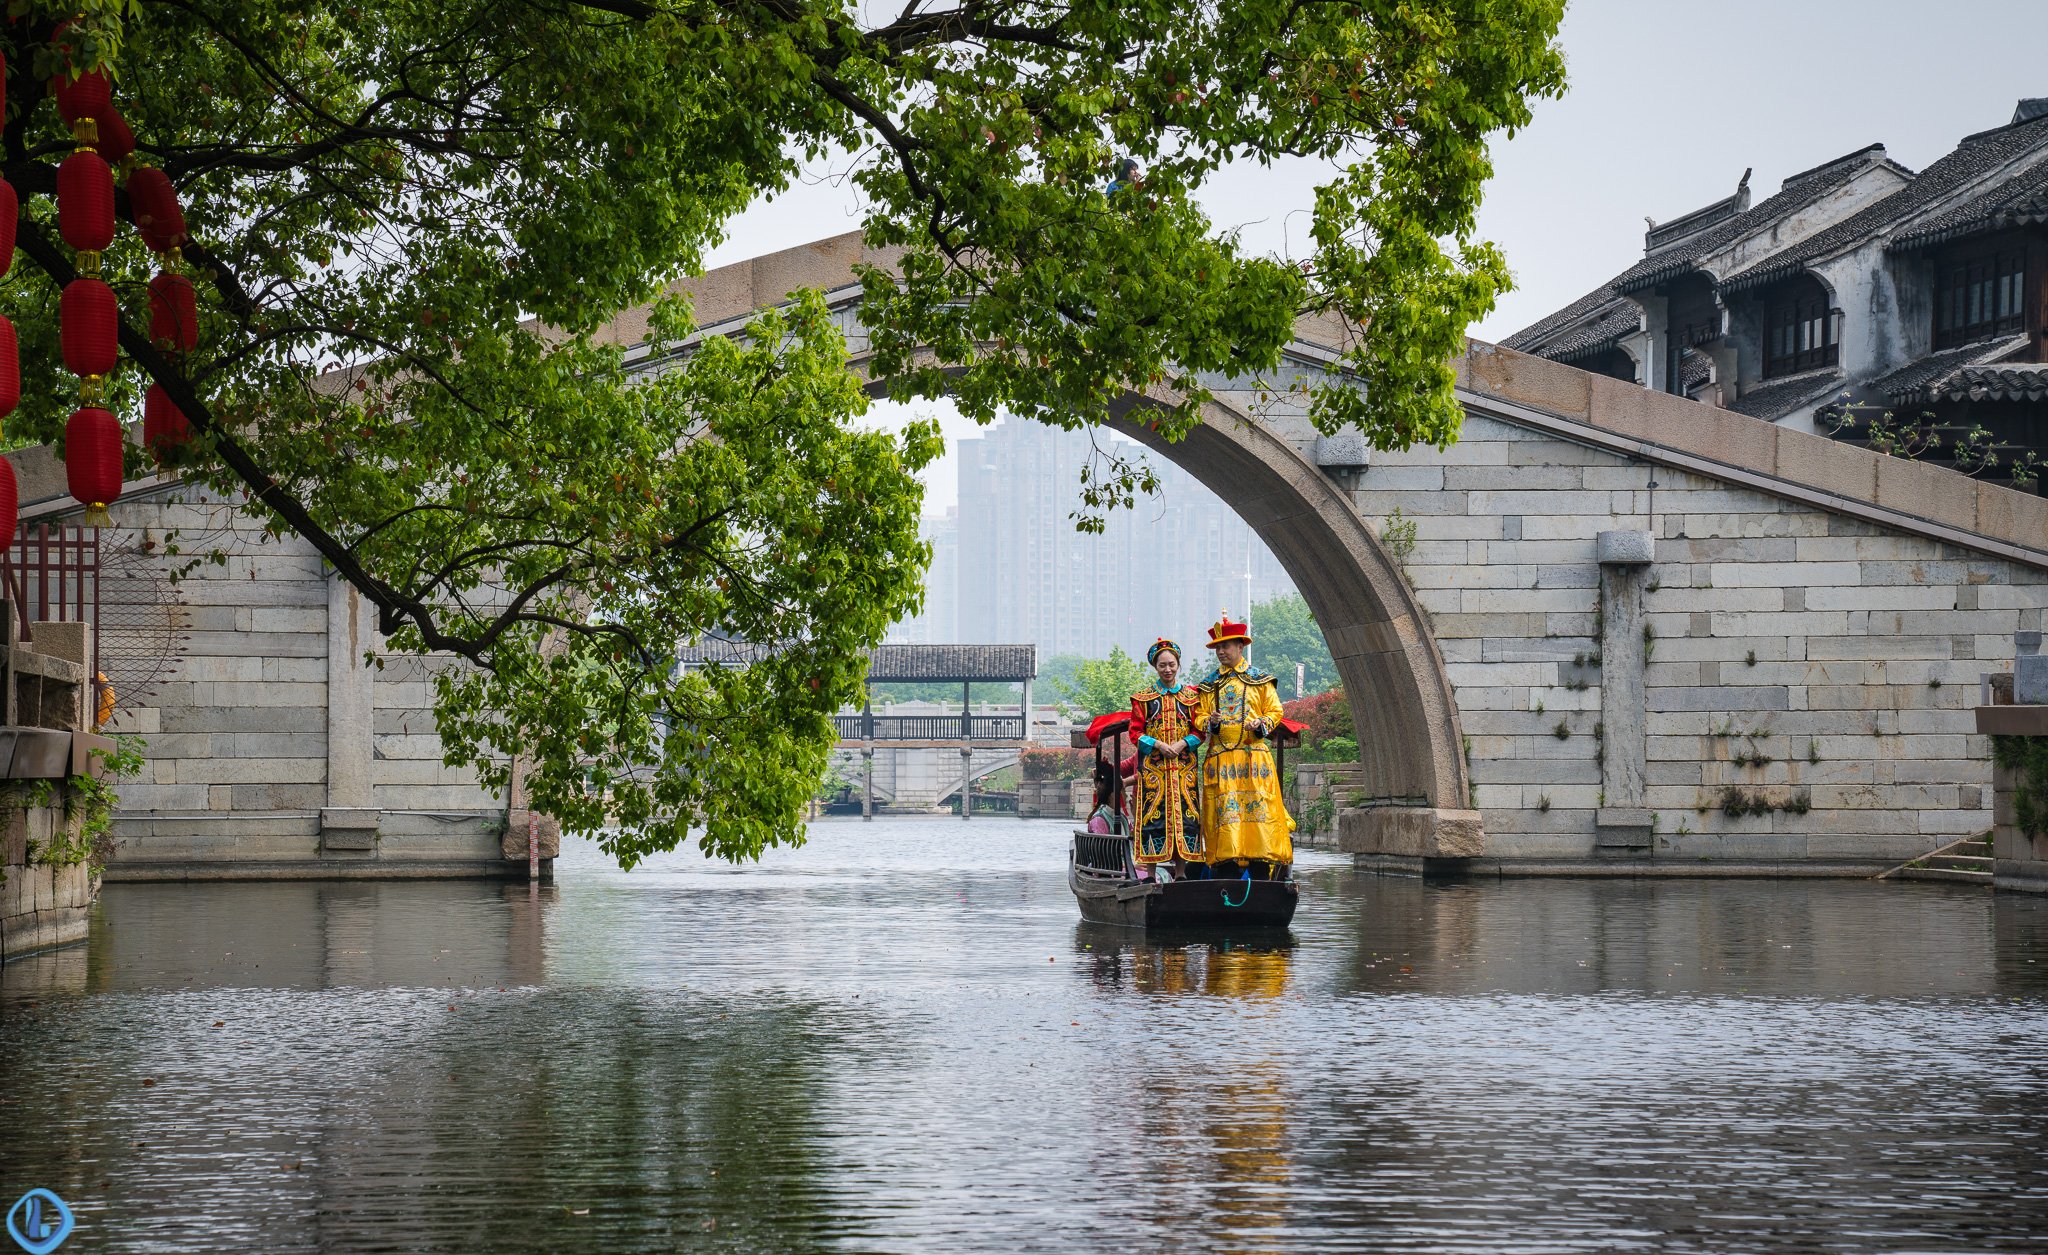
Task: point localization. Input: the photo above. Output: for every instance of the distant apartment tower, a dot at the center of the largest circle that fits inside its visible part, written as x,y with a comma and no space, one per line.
939,622
1163,568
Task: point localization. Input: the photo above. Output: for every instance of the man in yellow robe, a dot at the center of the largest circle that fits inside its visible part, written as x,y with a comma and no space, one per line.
1245,824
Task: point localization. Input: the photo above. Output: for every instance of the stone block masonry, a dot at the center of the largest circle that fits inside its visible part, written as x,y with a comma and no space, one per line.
275,750
1802,681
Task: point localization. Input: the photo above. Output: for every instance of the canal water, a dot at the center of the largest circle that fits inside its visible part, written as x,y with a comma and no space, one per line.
899,1038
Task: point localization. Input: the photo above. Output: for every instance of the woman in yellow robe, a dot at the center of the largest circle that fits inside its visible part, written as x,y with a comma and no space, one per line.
1244,819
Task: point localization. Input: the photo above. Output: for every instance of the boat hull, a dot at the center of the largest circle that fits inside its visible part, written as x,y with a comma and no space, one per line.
1195,904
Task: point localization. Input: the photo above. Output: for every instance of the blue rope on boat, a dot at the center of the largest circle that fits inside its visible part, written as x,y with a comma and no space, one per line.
1247,896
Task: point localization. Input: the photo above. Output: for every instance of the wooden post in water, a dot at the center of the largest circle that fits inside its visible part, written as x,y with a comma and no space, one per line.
966,750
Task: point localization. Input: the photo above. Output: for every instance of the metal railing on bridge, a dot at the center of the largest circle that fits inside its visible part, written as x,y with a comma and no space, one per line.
867,727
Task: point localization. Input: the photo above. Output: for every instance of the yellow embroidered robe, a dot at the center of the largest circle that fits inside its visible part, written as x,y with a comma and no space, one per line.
1243,814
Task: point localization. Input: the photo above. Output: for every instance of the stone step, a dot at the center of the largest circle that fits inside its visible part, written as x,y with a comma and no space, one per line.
1945,873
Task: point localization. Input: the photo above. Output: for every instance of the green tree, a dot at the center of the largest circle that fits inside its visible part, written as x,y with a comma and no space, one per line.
1284,633
388,199
1058,672
1102,685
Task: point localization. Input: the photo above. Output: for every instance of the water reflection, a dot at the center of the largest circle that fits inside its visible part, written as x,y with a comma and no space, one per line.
900,1039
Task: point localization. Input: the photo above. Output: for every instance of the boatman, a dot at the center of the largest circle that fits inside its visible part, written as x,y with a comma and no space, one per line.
1165,722
1244,820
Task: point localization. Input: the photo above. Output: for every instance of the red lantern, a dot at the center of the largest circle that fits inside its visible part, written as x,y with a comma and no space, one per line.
85,201
92,461
154,203
165,429
173,312
116,140
87,96
10,369
10,215
88,322
10,504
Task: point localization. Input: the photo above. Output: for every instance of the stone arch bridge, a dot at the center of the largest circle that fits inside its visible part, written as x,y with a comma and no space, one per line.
1631,632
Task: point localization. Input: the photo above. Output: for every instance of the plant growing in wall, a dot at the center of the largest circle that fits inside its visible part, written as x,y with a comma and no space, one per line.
1397,535
85,833
1969,452
2026,757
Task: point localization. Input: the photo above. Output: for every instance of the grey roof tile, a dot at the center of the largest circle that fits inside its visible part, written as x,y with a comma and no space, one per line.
1911,381
1780,397
2019,202
1799,190
1975,157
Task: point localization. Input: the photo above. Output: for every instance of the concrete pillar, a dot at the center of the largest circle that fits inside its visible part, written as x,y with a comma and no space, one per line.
1622,823
349,820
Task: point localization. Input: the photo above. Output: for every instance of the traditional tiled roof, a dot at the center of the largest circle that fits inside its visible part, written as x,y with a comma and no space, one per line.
1602,333
938,663
1694,369
1798,191
1912,381
1592,308
1975,157
2020,202
2027,382
953,662
1561,336
1782,396
719,651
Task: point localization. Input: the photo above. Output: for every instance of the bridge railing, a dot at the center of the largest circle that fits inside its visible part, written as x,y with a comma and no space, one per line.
928,727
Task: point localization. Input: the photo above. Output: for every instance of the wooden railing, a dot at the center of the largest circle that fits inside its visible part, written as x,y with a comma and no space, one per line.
53,573
928,727
1103,854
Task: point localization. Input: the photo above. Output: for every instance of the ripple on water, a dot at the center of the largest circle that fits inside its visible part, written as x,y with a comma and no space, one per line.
900,1038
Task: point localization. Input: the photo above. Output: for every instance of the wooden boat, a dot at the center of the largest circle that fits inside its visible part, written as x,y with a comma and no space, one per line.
1104,877
1106,886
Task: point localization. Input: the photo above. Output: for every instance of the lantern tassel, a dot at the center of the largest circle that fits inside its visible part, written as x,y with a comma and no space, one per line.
96,515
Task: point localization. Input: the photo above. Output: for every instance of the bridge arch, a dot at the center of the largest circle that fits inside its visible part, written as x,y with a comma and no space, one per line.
1401,698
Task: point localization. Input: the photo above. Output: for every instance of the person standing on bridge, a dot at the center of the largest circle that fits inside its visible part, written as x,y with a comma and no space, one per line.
1244,817
1165,724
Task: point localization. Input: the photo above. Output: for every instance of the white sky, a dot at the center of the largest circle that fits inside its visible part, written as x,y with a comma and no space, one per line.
1668,104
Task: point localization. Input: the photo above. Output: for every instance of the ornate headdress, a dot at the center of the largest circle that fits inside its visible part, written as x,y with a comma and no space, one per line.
1225,630
1159,647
